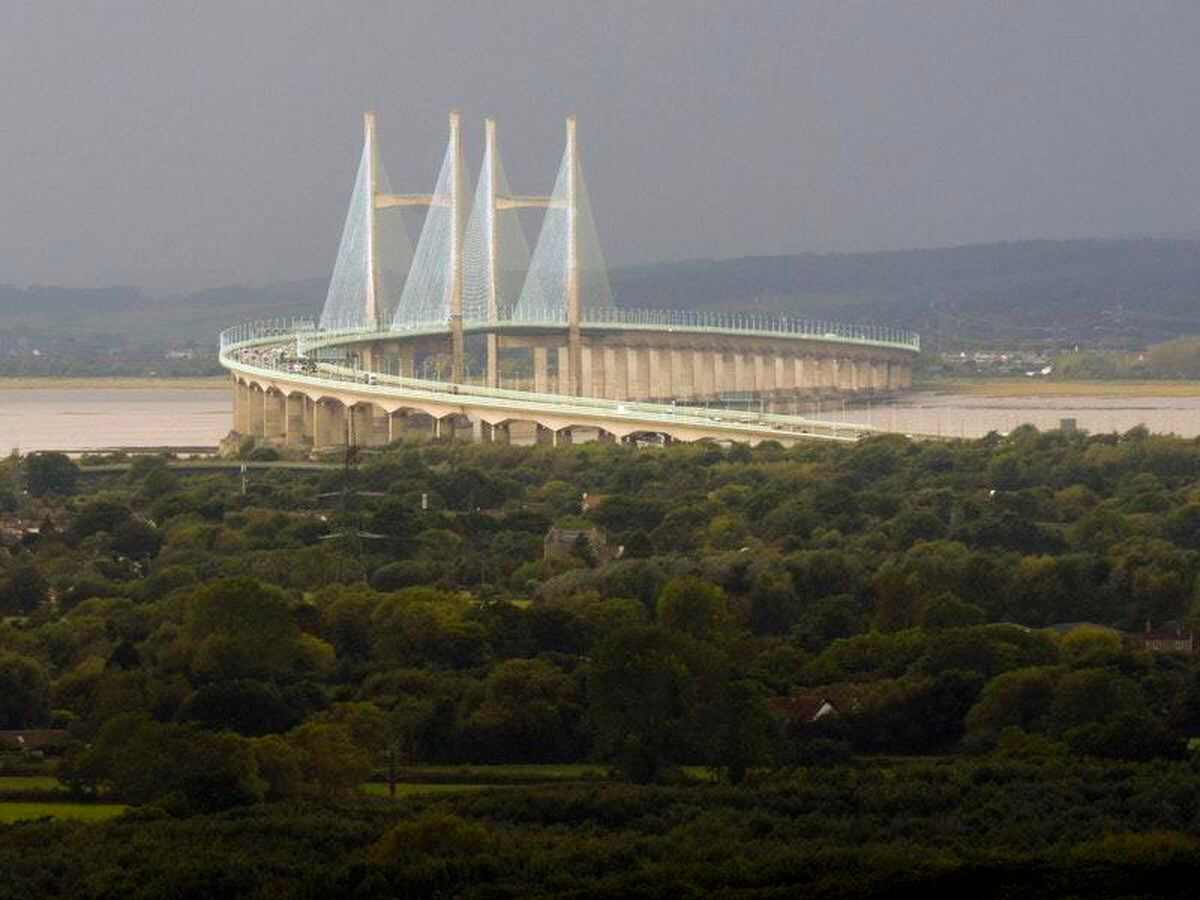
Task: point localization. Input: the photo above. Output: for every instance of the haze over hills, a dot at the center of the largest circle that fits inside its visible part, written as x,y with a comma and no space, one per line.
1119,293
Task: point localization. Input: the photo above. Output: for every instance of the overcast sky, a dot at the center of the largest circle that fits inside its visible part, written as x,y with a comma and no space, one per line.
177,145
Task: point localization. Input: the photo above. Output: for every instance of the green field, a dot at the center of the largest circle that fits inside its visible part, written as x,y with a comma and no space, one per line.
18,811
28,784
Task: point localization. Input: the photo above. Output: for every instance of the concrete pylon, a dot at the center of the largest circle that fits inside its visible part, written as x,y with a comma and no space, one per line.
493,305
574,335
374,314
458,221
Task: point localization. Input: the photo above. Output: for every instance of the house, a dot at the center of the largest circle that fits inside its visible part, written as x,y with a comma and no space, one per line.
565,542
35,740
1169,638
805,708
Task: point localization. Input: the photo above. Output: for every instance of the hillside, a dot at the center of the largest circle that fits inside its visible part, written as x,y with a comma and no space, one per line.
1114,293
1098,293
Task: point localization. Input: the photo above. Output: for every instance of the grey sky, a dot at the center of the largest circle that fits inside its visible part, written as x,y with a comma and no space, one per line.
182,145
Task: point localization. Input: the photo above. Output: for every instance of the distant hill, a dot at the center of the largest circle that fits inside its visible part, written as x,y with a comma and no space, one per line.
1099,293
1120,293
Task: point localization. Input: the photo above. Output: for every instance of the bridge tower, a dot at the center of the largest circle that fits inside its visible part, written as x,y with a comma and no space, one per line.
574,335
373,311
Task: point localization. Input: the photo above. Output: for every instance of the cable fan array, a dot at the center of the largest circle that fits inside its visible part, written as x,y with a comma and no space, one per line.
475,265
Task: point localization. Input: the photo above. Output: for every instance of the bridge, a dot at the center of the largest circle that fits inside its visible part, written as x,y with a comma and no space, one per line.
467,333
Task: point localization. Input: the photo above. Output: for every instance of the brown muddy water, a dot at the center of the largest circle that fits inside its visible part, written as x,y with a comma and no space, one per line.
95,417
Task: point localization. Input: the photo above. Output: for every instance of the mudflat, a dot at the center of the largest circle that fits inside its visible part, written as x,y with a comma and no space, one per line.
1031,387
33,382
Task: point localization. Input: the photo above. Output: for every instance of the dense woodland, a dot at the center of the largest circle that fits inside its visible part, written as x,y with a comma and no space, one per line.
235,657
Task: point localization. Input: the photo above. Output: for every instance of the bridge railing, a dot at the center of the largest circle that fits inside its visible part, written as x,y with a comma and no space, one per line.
687,320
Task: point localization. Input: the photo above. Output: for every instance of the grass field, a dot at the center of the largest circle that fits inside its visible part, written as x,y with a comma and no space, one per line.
27,784
1032,387
20,811
30,382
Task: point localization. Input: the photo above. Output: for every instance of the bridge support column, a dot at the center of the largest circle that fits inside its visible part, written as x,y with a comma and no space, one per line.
293,406
491,369
660,374
615,374
372,425
329,424
700,373
239,406
848,374
682,383
564,370
274,416
882,377
741,374
828,377
254,424
760,373
636,369
720,373
800,369
541,371
397,425
587,375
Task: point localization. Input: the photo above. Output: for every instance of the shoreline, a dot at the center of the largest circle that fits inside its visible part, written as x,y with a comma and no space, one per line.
71,382
1014,387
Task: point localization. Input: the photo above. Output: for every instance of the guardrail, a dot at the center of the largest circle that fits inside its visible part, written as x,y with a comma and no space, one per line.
687,320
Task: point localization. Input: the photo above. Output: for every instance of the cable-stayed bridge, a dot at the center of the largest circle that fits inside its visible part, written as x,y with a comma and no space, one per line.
468,325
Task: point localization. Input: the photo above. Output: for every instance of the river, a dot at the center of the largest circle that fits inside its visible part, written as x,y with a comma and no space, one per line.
92,418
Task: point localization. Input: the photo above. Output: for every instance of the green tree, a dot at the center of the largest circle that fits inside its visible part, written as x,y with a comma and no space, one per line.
23,589
528,713
692,606
330,760
24,691
50,473
638,689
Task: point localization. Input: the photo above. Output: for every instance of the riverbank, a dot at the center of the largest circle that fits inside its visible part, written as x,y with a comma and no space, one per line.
1032,387
39,382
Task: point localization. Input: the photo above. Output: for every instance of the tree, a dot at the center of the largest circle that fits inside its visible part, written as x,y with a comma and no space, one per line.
247,707
24,691
182,768
947,611
329,759
1020,698
1132,734
23,590
97,515
50,473
241,628
638,690
692,606
528,714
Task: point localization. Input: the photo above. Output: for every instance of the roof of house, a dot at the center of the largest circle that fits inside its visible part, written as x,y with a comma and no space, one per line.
804,707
